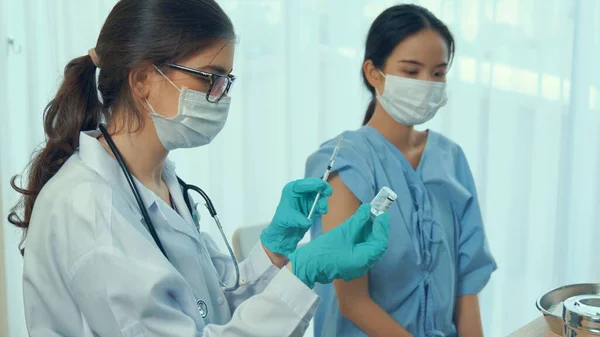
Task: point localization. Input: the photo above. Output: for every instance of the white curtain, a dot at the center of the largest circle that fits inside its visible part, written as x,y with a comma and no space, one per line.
524,105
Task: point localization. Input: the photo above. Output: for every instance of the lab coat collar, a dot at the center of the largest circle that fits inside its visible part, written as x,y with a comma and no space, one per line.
170,179
97,158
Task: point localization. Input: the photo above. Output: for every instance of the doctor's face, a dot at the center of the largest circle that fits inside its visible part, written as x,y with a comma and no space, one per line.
211,69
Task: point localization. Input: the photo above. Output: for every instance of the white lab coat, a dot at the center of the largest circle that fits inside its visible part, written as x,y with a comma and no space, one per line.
92,269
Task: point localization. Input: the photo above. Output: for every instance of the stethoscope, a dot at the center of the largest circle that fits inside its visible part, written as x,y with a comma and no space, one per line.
185,189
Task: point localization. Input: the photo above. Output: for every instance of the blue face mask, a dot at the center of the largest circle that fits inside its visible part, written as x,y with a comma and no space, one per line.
197,121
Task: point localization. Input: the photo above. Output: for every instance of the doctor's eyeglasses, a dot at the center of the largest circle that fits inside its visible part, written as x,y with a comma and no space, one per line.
218,85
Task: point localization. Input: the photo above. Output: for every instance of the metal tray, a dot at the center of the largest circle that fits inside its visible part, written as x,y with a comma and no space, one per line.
551,303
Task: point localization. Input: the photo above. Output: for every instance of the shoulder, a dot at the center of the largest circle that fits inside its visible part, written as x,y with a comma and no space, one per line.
69,211
448,152
445,145
354,151
75,187
354,162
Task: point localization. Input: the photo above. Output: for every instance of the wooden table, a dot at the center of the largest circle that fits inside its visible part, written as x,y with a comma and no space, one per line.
537,328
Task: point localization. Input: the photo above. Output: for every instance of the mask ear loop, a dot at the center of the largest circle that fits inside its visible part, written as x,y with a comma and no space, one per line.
151,107
168,79
148,102
384,77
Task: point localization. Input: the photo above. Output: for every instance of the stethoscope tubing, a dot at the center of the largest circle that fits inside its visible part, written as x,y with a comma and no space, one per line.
186,187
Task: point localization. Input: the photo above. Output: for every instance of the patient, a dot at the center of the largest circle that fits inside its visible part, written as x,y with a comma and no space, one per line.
438,259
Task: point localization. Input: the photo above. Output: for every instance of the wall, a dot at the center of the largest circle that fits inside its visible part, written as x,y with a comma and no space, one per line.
12,96
3,64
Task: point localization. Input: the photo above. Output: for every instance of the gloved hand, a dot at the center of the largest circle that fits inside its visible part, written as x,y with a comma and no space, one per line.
290,221
346,252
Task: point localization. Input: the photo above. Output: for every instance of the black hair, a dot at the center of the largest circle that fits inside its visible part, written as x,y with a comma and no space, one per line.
135,32
390,28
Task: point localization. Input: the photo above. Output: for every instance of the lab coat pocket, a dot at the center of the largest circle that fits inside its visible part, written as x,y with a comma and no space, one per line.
134,330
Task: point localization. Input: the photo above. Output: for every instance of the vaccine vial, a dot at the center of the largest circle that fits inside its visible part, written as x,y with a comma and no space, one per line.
382,201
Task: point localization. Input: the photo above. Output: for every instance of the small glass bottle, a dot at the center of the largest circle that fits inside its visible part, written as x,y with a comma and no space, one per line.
382,201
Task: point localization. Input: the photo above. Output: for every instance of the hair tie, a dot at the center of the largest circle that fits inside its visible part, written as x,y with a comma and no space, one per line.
94,56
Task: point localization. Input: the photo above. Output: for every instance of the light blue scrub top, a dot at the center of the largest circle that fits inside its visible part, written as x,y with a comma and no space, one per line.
438,249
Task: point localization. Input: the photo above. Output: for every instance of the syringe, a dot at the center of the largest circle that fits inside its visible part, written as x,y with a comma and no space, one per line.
326,174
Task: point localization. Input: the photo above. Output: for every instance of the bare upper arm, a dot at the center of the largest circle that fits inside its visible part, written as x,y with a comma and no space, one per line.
343,204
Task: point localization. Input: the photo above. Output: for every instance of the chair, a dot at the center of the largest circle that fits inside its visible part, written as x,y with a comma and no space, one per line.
244,239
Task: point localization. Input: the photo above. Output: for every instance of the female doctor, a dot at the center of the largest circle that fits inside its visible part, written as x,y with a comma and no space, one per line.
111,246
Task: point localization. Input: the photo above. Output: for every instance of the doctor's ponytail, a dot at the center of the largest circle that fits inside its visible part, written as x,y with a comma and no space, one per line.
75,108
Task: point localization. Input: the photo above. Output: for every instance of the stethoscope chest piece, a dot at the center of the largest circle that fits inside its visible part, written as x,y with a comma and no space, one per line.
202,308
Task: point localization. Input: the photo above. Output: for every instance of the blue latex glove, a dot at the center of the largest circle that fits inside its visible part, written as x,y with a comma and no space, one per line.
346,252
290,221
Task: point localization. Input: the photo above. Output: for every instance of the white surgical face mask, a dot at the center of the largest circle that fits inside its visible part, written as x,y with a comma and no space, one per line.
197,121
411,102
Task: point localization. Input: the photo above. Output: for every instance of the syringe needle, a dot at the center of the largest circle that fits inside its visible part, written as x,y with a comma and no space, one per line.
338,145
312,209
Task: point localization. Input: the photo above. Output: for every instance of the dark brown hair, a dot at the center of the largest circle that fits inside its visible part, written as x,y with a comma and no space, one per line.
135,32
390,28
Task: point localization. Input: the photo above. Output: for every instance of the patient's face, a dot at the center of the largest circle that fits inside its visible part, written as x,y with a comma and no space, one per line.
423,56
